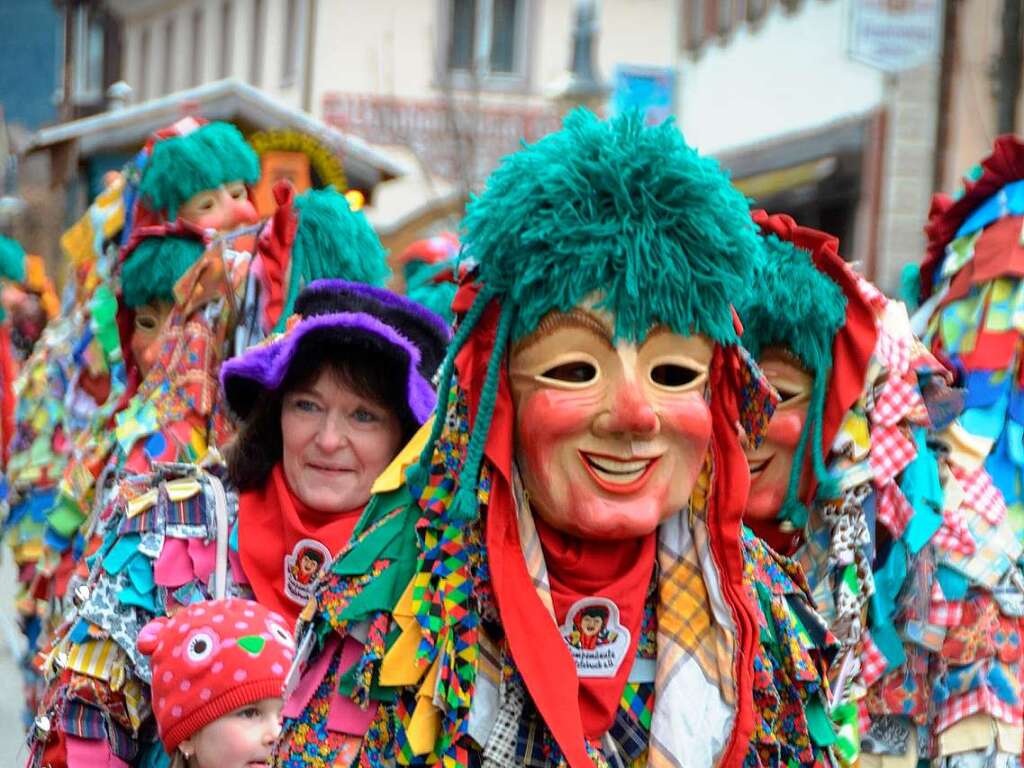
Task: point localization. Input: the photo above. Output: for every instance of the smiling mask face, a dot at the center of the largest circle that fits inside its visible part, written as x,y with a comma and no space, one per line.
772,462
609,436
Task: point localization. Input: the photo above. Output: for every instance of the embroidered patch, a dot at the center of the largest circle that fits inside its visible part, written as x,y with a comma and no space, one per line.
596,638
302,569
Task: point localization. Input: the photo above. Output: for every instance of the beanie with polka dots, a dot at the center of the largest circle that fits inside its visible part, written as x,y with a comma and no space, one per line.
212,658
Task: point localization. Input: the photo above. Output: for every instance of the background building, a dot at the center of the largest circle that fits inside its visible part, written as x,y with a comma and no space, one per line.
846,113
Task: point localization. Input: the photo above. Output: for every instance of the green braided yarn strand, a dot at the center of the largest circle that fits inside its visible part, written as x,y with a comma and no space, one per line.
828,486
418,474
793,509
464,506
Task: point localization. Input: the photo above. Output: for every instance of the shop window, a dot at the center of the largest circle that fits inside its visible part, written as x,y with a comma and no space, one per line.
198,46
259,10
87,82
484,41
169,57
227,33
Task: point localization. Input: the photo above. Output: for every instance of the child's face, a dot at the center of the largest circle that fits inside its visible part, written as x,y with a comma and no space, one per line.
242,739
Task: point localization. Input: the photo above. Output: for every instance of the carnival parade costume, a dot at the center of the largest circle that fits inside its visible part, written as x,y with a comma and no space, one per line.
454,630
903,536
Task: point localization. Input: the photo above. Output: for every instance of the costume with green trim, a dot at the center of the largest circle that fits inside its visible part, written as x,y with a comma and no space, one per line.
429,642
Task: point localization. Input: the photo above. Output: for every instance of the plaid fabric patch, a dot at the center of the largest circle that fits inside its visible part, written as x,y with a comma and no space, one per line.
894,511
953,534
900,397
980,493
872,661
946,613
982,699
891,451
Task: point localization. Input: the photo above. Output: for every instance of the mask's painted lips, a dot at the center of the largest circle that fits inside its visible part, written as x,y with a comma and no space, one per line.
616,475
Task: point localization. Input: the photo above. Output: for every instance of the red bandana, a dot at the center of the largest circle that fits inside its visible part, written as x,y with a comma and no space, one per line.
284,545
615,571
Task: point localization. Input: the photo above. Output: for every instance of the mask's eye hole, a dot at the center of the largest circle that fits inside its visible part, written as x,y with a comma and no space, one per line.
237,191
280,634
200,647
146,322
576,372
673,376
788,392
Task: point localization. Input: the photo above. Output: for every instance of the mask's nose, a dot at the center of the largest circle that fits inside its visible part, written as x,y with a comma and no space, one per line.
253,644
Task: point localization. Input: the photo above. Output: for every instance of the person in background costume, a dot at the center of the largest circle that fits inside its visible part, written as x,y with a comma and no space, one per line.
32,303
864,470
12,268
587,453
218,674
429,271
970,315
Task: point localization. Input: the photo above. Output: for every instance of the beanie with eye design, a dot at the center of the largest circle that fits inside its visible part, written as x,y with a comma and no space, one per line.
211,659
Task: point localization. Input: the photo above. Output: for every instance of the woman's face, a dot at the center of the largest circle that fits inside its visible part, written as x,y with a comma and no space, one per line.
610,436
335,443
771,462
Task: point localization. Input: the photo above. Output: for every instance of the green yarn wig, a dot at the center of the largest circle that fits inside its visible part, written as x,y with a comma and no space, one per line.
616,209
183,166
12,263
154,266
12,260
331,241
792,304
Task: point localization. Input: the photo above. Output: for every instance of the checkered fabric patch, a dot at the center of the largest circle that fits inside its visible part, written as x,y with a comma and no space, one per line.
953,534
899,399
891,451
981,700
980,493
946,613
894,511
872,661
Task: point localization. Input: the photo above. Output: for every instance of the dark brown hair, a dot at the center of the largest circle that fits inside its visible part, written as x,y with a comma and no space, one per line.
368,369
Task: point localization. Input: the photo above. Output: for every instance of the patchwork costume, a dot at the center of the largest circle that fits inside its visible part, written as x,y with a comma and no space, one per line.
900,531
479,618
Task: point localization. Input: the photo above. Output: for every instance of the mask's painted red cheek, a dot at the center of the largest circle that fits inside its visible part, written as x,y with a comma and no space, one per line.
548,416
785,427
690,417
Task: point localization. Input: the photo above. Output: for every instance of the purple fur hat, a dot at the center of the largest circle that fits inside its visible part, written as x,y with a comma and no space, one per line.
375,320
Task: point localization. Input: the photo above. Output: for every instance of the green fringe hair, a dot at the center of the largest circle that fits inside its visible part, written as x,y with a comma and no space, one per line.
12,264
792,304
616,209
332,241
12,259
184,166
154,266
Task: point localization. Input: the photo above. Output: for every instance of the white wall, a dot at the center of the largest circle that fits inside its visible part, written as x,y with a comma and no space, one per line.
790,74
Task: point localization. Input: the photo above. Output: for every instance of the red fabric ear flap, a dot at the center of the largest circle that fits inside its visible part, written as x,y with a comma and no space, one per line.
275,249
725,512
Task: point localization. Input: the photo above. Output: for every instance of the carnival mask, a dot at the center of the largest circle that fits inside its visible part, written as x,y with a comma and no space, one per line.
276,165
610,435
772,462
145,343
222,209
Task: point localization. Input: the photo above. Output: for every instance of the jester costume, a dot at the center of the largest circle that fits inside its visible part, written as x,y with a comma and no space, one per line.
900,529
450,631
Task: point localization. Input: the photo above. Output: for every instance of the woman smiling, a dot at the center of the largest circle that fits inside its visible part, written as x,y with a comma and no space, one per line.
325,407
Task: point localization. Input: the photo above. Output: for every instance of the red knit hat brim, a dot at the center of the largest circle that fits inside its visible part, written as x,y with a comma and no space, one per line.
240,696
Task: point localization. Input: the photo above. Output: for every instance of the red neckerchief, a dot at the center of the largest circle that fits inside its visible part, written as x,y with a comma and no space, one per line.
851,349
271,522
617,570
536,644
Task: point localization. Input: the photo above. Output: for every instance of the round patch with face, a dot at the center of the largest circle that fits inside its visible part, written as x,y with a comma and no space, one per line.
596,637
302,569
